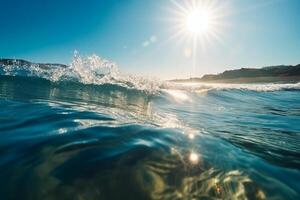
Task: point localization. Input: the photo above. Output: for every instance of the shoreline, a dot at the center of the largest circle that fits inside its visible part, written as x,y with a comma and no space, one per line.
265,79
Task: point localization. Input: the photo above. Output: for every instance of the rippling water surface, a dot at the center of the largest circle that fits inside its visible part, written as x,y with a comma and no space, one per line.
73,140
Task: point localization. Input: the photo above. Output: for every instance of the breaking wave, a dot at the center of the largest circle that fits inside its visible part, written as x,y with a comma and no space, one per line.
95,70
89,70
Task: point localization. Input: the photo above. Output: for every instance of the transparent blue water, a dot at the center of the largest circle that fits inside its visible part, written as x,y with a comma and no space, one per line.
67,140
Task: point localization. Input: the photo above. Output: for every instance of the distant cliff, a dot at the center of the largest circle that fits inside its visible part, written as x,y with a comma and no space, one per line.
281,73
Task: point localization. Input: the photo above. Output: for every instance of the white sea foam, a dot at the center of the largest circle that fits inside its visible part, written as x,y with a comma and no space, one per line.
260,87
87,70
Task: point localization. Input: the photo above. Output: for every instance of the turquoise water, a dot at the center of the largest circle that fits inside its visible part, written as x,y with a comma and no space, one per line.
74,140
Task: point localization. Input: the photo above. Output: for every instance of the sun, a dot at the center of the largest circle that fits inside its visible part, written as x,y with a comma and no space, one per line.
198,21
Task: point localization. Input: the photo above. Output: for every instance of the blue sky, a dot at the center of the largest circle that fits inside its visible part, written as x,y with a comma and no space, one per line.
137,34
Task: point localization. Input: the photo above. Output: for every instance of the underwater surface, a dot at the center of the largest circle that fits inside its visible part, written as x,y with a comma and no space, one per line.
91,132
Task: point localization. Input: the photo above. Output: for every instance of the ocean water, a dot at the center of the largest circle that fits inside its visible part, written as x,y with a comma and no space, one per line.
92,132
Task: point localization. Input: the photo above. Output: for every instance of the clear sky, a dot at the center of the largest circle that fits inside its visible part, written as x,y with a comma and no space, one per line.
139,34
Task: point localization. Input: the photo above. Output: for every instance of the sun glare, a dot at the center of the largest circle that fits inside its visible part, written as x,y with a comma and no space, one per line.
198,21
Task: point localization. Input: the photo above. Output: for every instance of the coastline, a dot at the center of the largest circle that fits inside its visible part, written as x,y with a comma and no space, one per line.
264,79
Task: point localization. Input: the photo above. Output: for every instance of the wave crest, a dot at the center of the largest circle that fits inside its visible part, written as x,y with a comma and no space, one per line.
98,71
87,70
